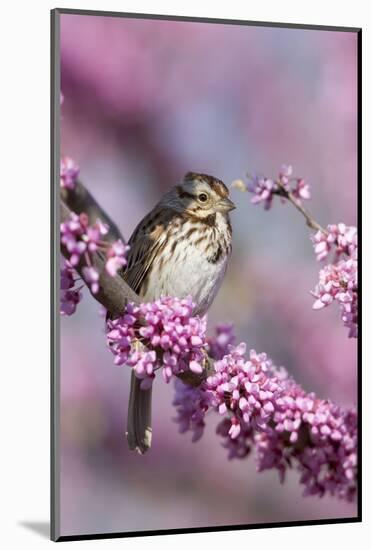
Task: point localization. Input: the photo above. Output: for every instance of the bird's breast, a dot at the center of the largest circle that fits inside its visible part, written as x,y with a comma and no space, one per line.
192,263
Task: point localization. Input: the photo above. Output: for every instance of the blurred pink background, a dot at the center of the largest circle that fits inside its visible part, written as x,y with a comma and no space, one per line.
144,102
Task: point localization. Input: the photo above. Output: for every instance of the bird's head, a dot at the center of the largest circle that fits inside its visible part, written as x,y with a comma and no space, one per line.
200,195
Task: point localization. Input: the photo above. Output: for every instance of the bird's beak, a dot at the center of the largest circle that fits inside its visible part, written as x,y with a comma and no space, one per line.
225,205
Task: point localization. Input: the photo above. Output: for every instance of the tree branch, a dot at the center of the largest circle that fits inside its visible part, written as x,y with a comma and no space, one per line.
80,200
114,292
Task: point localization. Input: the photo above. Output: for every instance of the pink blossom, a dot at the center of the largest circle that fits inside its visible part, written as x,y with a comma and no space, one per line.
68,173
91,276
69,301
219,344
116,255
338,282
328,464
191,404
72,233
67,277
69,296
244,387
263,408
340,238
301,190
285,171
345,238
264,188
239,447
171,338
81,240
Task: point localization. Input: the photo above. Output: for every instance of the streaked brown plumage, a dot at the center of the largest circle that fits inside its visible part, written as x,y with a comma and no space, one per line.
179,249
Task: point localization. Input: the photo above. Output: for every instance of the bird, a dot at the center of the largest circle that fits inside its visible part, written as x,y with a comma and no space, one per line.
180,248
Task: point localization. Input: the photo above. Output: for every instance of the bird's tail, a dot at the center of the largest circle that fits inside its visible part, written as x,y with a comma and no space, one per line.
139,430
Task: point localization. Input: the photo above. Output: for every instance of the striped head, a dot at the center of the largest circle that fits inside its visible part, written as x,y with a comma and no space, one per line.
199,195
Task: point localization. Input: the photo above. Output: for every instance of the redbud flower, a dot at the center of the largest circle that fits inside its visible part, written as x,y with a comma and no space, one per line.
69,296
338,281
69,301
285,171
264,188
72,232
170,338
263,408
301,190
218,345
67,277
81,240
116,257
91,276
345,239
324,443
191,404
69,173
244,387
340,238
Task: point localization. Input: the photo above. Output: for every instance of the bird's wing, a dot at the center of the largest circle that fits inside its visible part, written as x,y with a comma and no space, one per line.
146,243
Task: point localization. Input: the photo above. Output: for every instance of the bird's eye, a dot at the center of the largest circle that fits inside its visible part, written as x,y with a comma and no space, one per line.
202,197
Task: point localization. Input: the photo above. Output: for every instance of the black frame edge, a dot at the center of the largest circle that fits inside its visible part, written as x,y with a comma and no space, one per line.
54,284
195,19
186,531
359,224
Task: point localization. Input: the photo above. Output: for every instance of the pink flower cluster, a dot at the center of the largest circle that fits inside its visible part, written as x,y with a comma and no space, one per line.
244,387
340,238
264,188
338,282
239,386
191,404
69,172
218,344
323,441
69,295
81,240
266,410
163,334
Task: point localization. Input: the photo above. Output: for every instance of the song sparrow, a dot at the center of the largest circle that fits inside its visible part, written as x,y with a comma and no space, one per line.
179,249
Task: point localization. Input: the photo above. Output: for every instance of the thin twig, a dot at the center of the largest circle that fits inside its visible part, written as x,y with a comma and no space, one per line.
311,222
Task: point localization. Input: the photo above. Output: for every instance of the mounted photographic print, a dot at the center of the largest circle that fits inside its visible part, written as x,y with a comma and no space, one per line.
205,298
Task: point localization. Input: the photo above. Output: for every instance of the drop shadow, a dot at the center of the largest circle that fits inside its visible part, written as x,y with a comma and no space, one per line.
42,528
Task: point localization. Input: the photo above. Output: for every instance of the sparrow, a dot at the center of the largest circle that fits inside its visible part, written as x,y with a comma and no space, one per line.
180,248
